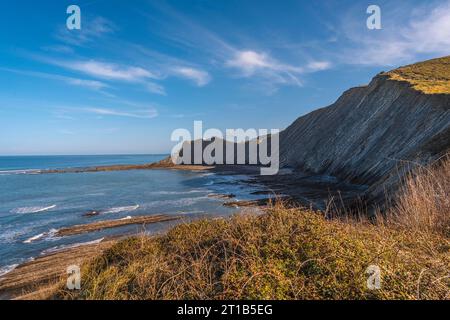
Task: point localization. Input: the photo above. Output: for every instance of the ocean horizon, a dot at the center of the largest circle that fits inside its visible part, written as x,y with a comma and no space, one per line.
45,162
33,207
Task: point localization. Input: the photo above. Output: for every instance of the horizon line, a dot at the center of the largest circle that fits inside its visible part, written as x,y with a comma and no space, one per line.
84,155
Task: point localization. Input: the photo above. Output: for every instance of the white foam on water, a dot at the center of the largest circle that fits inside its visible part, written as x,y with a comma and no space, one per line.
182,202
40,236
25,210
97,194
121,209
207,174
35,238
126,218
23,171
7,269
179,192
194,212
8,236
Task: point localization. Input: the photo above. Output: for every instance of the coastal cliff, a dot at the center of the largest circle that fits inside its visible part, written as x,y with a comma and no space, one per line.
371,133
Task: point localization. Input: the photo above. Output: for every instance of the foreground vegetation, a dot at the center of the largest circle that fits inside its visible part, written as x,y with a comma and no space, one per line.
289,253
431,77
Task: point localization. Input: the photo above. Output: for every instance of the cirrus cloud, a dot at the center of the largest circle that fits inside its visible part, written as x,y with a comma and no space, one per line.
109,71
140,114
200,77
272,72
422,30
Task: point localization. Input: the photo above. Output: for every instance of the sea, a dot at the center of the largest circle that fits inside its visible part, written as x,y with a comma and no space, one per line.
34,206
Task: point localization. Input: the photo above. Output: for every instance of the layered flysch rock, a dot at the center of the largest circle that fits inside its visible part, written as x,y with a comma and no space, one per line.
370,133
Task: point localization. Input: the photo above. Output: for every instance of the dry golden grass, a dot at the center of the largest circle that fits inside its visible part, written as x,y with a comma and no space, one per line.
431,77
288,253
424,201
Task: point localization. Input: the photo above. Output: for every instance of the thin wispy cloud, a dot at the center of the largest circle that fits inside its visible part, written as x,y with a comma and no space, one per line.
251,63
169,66
109,71
423,30
92,30
140,114
182,31
155,88
200,77
90,84
126,73
314,66
106,71
273,72
256,65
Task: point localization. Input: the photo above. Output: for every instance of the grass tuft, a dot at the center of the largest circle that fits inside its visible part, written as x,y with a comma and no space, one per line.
424,201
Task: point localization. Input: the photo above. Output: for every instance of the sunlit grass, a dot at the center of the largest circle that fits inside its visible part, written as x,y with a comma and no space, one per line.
431,77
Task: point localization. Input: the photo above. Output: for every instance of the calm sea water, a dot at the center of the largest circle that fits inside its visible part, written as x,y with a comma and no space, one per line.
34,206
20,164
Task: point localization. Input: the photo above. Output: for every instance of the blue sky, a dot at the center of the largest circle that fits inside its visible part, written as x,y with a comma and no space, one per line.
137,70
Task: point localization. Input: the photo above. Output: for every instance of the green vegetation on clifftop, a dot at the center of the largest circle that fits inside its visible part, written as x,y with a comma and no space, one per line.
431,77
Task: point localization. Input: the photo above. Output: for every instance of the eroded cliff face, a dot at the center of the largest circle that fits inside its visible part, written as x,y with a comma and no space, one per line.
370,134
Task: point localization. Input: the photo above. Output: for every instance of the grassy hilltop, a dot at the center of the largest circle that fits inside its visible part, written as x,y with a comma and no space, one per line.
431,77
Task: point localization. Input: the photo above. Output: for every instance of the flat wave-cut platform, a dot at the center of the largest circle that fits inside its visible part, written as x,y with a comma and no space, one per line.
107,224
25,210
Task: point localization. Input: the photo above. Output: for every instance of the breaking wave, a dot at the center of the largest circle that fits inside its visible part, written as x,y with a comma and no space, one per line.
26,210
26,171
175,203
180,192
121,209
7,269
40,236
